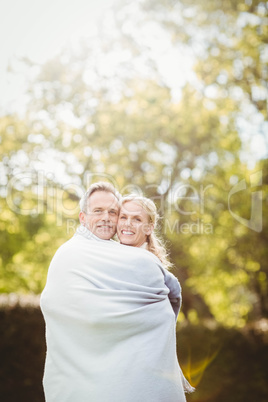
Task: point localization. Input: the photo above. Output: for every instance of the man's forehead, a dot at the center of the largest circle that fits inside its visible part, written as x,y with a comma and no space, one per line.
103,198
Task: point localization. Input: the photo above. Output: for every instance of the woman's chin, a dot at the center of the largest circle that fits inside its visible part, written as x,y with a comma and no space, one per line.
127,241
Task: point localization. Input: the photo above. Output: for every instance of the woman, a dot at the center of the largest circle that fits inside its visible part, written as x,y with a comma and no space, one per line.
137,221
136,224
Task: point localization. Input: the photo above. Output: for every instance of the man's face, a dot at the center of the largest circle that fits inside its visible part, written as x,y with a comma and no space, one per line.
101,215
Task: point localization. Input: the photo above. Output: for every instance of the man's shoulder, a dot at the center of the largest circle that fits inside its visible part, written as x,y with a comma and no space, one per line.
67,246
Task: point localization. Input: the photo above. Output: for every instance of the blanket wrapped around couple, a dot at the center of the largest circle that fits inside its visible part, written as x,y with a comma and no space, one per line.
110,313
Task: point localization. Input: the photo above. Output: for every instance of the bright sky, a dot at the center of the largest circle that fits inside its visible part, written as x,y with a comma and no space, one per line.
38,29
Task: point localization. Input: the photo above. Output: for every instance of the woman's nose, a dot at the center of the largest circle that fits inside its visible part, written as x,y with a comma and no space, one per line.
129,221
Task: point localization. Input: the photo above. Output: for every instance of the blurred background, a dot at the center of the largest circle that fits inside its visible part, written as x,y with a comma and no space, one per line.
165,98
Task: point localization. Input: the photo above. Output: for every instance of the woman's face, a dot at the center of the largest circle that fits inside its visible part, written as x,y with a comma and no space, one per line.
133,224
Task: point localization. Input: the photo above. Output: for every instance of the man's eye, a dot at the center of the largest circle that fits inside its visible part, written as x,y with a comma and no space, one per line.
97,211
114,213
138,219
122,217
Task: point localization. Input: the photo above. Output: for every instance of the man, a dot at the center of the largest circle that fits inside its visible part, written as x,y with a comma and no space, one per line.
110,327
99,210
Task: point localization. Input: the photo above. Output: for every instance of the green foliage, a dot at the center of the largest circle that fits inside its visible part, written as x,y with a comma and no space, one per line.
229,42
86,122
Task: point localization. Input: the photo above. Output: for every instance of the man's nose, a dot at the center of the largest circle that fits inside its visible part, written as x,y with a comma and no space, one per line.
105,215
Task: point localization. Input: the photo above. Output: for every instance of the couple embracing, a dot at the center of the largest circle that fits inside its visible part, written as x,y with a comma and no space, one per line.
110,308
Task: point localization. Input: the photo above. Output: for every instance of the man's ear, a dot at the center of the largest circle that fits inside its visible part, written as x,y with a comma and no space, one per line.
82,217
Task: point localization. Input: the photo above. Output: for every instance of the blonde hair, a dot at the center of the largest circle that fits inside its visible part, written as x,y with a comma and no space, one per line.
155,244
99,186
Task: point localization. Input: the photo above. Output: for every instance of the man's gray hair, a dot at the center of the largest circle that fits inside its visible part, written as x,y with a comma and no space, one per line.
99,186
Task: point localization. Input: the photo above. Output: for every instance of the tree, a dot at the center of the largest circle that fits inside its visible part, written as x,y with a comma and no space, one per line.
86,122
229,43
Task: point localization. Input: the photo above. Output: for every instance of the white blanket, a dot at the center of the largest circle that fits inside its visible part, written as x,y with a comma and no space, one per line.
110,325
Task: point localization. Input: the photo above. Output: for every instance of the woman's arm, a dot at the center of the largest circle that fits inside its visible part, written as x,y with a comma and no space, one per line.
175,291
